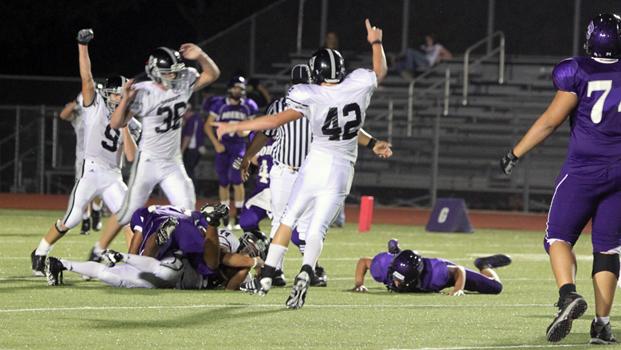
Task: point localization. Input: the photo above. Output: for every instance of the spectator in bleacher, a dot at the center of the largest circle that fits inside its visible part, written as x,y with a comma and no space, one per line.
331,41
192,143
427,56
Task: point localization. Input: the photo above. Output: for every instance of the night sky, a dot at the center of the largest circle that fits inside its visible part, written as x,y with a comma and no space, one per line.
40,34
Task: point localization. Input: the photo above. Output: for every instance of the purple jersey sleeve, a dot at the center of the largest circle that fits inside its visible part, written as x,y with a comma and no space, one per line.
188,127
379,267
216,105
253,109
137,222
564,76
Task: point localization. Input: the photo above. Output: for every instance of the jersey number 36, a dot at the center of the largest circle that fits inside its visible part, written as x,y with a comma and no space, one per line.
173,116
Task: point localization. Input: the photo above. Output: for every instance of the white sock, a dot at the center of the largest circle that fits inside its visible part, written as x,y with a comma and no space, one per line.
224,201
43,248
602,320
275,255
97,249
239,204
85,215
312,250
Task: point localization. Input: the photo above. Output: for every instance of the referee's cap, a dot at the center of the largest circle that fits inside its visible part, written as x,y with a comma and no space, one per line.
300,74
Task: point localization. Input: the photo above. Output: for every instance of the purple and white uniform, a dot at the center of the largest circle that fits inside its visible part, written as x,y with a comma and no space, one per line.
435,276
257,207
588,186
226,111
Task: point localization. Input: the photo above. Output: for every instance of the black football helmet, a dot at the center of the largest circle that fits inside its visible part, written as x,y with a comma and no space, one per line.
112,85
406,268
327,66
165,66
237,81
254,243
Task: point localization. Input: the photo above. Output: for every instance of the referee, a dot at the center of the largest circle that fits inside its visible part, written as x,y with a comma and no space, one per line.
290,147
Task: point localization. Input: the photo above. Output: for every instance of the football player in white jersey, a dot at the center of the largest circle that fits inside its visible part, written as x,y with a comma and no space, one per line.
91,218
103,147
160,102
335,107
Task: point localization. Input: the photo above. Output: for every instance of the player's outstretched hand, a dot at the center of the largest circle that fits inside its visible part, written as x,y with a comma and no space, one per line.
373,33
382,149
244,168
190,51
85,36
129,93
223,128
457,293
508,162
360,289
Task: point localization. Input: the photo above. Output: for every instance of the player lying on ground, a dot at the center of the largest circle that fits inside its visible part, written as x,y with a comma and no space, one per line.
336,107
406,271
160,102
588,92
190,255
103,149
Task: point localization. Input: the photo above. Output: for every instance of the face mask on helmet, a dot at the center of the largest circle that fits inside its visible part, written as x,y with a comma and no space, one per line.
603,36
405,269
254,244
165,66
112,89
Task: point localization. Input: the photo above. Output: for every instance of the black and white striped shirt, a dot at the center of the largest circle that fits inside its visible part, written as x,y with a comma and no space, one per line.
291,140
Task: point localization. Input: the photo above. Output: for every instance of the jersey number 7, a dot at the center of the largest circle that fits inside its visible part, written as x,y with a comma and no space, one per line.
598,107
349,130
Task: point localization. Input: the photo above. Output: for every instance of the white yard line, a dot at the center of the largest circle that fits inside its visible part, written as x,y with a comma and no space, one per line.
268,306
524,346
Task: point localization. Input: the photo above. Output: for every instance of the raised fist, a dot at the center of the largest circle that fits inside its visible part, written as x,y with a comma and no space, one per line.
85,36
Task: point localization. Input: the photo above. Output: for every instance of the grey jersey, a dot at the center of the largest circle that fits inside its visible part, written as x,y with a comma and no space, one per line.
335,112
161,111
101,142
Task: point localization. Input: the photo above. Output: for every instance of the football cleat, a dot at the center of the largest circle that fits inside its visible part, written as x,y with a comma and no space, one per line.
86,226
601,334
260,286
320,279
492,262
570,308
111,257
214,213
54,271
38,264
279,279
393,246
96,220
298,292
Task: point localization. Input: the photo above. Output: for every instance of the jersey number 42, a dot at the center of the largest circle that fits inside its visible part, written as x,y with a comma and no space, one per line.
349,130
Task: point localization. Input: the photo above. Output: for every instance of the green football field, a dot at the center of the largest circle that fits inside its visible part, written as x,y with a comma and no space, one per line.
90,315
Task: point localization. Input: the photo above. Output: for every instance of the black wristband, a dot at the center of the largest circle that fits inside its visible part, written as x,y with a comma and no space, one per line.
371,143
376,42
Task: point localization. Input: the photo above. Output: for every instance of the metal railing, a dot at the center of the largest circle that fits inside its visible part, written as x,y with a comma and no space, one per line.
501,61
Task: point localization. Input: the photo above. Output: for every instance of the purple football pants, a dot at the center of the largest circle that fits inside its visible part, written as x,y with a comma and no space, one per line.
224,164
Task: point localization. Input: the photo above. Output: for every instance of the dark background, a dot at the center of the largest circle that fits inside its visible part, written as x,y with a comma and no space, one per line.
39,35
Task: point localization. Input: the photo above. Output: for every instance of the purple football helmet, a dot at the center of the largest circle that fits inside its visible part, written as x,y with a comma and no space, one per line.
406,268
603,36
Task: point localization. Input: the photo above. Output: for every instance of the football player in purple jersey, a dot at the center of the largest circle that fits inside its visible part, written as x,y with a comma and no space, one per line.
232,108
407,271
588,185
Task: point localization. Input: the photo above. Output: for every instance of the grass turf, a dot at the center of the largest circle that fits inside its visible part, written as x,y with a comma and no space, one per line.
91,315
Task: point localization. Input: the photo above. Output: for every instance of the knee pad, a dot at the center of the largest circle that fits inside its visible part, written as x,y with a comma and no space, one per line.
60,231
605,262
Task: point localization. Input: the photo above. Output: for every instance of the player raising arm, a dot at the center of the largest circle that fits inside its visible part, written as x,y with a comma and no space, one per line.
160,102
335,106
588,92
101,175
